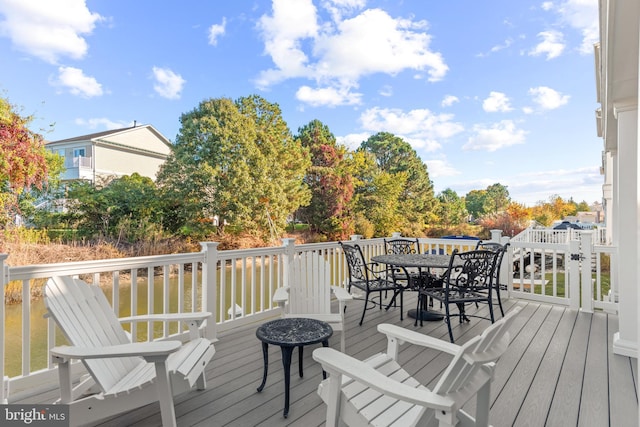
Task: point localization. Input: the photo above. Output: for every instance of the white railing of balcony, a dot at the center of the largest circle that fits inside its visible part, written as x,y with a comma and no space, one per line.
236,285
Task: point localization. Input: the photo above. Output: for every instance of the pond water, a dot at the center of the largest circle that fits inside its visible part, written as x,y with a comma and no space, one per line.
38,324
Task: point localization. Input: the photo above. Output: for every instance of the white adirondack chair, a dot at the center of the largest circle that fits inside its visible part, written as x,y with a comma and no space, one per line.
123,375
378,391
308,293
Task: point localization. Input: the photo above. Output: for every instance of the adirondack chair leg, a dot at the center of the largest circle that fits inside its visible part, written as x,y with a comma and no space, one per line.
334,395
201,382
64,376
483,402
165,396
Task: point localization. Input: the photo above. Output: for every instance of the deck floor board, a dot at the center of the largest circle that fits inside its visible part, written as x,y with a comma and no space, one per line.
558,370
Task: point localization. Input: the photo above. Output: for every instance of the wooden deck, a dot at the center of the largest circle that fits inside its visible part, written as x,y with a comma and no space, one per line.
558,371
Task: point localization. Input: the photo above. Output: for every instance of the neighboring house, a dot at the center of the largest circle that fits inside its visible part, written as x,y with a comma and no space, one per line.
113,153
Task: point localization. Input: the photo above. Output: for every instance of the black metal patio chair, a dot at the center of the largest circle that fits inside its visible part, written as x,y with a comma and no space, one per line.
365,277
501,250
469,279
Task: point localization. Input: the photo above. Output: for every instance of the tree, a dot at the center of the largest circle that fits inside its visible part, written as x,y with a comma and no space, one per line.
395,156
25,163
329,180
125,207
512,220
237,163
476,203
281,164
554,209
451,209
382,202
498,197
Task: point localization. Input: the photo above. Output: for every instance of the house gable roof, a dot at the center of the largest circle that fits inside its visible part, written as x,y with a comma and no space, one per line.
108,134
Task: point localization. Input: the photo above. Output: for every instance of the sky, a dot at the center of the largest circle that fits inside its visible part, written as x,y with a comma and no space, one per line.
493,91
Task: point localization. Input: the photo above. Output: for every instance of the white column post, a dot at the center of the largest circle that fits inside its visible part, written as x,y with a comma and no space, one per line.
625,341
210,287
496,236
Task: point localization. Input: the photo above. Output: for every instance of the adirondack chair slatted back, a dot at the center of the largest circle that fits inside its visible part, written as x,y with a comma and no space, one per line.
309,290
86,319
482,349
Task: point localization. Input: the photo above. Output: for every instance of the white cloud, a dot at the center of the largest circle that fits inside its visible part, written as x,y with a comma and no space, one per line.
353,140
582,15
215,31
449,100
338,52
328,96
103,122
339,7
48,29
579,184
168,84
419,121
421,128
547,98
441,168
291,22
552,44
496,102
77,83
498,135
386,90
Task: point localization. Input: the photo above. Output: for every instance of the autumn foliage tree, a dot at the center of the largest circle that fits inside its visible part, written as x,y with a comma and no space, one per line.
330,182
24,160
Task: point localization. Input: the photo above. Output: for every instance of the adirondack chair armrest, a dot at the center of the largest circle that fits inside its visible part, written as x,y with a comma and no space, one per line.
403,335
341,294
337,363
147,350
281,296
192,320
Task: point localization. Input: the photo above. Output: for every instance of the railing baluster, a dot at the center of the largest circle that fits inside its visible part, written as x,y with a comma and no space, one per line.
26,327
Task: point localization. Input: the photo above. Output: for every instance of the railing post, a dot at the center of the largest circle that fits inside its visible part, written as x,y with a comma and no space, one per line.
396,235
356,236
496,236
574,274
210,287
4,280
287,258
586,245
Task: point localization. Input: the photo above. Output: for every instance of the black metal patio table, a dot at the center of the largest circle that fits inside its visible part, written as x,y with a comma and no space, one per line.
289,333
421,262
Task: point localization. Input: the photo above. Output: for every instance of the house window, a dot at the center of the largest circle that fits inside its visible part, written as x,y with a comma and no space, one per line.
78,152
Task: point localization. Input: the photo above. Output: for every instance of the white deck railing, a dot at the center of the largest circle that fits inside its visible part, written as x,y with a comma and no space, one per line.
238,285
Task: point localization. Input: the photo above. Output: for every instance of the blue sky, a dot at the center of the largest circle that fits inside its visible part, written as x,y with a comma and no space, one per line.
485,91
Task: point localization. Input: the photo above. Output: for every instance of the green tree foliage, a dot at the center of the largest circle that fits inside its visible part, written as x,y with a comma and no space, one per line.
330,182
451,208
236,161
25,163
476,203
395,156
124,208
498,197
